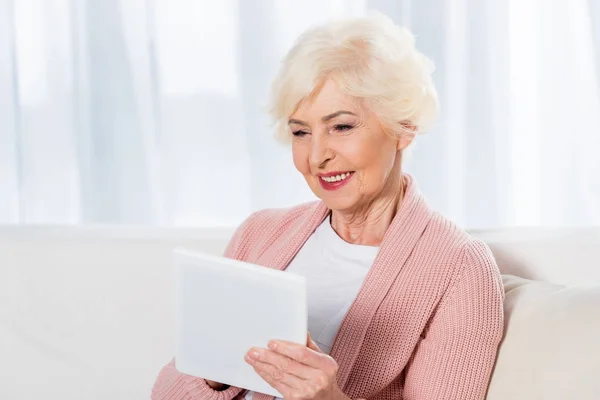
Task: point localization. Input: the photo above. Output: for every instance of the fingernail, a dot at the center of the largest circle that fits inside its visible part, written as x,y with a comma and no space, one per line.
254,353
272,345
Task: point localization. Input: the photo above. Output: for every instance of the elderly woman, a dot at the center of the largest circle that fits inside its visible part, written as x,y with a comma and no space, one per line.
403,304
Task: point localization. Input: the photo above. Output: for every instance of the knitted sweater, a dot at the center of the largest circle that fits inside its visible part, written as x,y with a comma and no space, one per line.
425,325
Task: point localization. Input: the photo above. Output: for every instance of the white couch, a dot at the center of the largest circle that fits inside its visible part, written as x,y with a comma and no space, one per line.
86,313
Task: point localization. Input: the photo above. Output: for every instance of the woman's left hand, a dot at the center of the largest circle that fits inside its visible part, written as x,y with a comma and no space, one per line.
297,371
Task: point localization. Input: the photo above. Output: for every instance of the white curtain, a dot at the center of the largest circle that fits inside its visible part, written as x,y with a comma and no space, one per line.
153,111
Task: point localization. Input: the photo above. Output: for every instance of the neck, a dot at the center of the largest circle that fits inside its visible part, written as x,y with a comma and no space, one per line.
368,223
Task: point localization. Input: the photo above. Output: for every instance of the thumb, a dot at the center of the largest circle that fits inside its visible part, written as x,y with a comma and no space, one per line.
311,344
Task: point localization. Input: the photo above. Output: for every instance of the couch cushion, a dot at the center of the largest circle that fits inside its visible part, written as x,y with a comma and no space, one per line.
85,313
567,256
84,316
551,346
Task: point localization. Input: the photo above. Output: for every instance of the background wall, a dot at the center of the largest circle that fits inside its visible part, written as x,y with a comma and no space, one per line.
153,111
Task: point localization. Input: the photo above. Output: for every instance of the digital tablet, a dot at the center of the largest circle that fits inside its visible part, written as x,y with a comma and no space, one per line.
224,307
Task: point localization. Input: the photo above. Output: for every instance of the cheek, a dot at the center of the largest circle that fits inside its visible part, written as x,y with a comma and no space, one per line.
300,158
374,159
368,154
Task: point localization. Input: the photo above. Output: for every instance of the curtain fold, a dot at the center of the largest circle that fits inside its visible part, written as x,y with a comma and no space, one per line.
155,111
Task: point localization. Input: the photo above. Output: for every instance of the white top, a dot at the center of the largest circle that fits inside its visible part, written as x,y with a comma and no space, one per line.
335,271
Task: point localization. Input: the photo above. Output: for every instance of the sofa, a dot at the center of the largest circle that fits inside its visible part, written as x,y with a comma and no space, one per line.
86,313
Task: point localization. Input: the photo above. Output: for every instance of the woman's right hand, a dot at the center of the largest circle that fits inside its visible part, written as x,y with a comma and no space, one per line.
215,385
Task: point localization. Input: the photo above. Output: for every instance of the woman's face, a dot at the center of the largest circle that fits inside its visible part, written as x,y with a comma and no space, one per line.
342,150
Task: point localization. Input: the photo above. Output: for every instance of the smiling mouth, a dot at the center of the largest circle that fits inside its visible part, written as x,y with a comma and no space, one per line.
336,178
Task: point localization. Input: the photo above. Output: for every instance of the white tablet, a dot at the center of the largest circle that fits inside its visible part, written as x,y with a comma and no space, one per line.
224,307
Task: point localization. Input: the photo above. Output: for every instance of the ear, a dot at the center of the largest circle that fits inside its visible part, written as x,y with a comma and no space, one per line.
409,131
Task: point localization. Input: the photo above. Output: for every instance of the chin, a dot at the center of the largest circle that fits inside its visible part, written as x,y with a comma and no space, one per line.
337,203
334,200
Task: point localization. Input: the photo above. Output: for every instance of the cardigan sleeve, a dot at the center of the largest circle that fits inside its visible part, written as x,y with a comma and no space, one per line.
455,358
172,384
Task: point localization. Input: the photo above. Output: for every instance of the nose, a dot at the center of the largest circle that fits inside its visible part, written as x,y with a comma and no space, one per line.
320,151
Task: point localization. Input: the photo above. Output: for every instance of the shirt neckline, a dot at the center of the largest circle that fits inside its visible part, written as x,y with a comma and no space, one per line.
330,238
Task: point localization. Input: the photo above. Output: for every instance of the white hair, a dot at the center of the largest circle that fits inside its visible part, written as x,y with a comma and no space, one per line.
368,57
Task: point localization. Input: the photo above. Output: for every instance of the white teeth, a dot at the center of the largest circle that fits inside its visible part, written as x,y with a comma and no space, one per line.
336,178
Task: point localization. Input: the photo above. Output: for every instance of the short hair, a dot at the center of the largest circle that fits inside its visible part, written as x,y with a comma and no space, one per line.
368,57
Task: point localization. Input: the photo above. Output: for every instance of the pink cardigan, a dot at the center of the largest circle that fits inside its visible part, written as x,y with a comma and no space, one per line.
425,325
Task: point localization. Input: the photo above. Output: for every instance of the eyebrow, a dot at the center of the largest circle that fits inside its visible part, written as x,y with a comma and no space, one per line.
324,119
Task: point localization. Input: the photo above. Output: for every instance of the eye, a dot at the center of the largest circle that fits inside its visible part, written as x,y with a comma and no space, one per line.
343,127
299,133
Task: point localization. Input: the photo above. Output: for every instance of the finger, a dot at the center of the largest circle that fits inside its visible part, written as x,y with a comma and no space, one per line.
278,379
281,362
298,352
312,345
